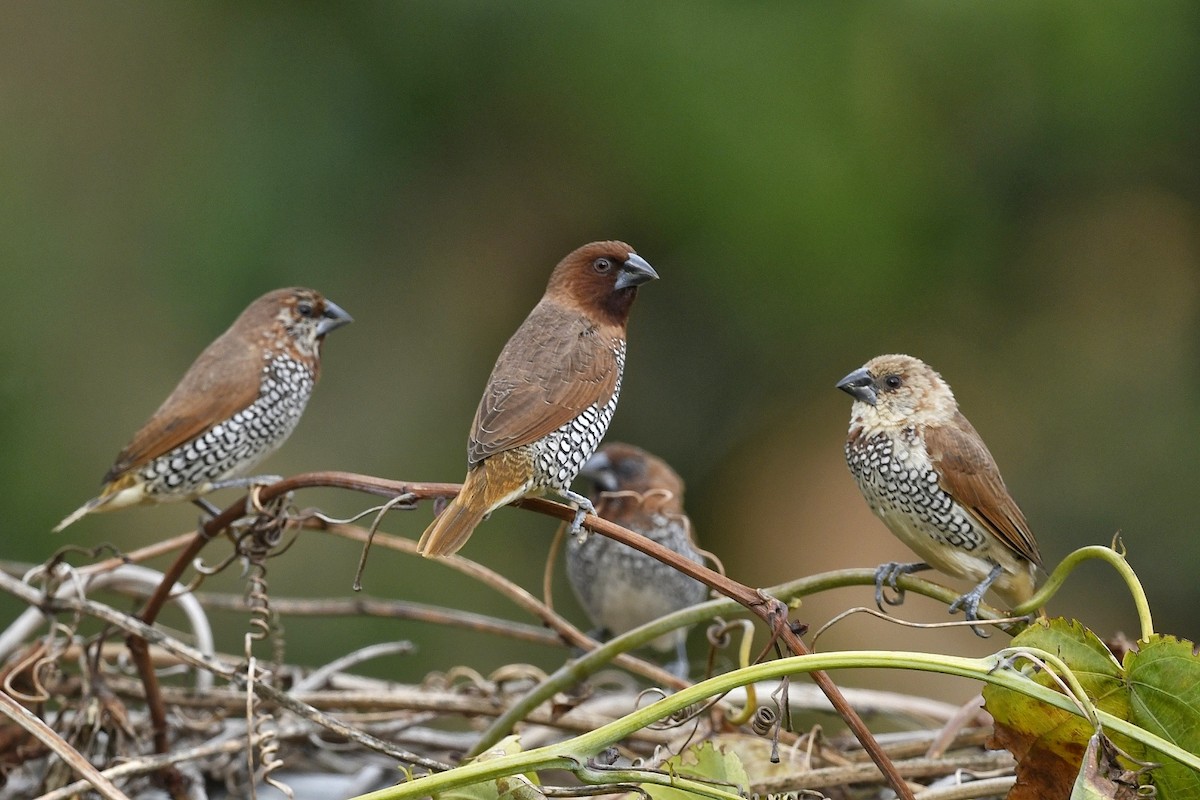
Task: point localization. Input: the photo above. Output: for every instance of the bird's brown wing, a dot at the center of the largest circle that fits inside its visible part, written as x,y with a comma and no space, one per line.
223,380
556,365
969,473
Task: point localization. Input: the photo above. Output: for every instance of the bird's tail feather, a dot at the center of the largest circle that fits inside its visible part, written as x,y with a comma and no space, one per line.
451,529
82,511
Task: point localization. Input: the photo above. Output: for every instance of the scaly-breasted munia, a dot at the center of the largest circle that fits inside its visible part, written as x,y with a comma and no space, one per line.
927,474
621,588
551,395
236,404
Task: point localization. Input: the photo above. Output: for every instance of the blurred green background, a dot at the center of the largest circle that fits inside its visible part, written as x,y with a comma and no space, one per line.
1007,190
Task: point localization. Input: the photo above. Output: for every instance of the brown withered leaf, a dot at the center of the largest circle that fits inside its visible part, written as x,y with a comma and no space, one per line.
1102,778
1044,771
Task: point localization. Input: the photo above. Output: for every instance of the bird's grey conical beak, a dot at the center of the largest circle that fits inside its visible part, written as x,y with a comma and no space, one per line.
859,385
599,470
634,272
334,318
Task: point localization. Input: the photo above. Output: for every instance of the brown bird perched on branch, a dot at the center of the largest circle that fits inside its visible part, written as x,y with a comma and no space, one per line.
927,474
236,404
621,588
551,395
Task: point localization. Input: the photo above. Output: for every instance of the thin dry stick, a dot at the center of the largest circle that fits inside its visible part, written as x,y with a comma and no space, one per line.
392,609
144,764
548,570
209,530
320,676
47,736
987,761
771,610
393,699
989,787
967,712
522,598
149,635
336,480
914,743
141,554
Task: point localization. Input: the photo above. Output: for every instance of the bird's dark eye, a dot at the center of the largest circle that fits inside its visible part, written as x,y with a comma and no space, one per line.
602,265
304,308
892,381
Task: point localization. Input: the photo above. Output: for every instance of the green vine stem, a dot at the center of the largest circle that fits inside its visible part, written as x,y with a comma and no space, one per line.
742,717
1073,560
577,670
602,776
1069,680
568,755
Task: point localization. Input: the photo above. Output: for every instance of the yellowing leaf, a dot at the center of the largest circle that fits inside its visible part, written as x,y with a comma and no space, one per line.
1049,742
1101,778
509,787
705,763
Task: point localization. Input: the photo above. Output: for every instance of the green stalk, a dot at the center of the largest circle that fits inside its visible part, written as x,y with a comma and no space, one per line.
594,776
1073,560
569,754
578,670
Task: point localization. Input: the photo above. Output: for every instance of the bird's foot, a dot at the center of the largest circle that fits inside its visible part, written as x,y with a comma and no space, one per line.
208,508
969,602
583,507
888,574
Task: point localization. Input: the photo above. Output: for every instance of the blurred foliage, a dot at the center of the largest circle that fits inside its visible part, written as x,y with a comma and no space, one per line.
1009,191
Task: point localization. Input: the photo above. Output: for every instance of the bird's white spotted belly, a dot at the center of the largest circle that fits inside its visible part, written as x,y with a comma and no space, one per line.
235,446
560,454
899,483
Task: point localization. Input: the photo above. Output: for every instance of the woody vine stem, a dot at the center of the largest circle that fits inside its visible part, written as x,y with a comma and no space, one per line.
769,609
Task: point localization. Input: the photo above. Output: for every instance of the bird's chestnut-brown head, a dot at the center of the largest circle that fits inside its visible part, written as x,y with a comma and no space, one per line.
896,391
600,277
617,467
298,319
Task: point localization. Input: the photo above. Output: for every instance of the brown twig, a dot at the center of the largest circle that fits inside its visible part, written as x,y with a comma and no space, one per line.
391,609
336,480
141,554
825,777
212,528
144,764
47,736
523,599
333,724
137,629
771,610
389,700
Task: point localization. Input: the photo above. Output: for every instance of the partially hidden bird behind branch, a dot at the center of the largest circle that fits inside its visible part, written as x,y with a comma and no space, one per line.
621,588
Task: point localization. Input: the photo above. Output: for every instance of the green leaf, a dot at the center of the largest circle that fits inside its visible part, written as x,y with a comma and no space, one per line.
1055,730
1164,681
509,787
754,752
704,763
1048,742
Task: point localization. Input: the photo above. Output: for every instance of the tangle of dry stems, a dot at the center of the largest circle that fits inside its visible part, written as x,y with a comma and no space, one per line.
258,523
